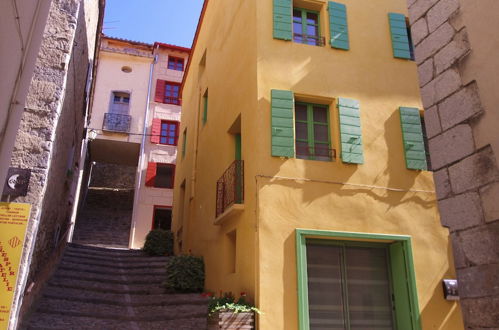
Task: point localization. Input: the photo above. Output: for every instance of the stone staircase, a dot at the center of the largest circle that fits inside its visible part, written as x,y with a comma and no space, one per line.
103,288
105,219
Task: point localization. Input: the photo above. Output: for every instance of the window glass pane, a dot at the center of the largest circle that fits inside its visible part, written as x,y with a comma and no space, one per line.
296,15
302,150
164,176
162,219
321,133
320,114
116,99
301,111
312,41
301,131
312,31
298,39
368,288
321,151
325,296
312,18
171,141
172,133
163,140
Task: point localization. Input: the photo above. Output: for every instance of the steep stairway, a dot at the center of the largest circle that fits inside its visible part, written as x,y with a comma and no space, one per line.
103,288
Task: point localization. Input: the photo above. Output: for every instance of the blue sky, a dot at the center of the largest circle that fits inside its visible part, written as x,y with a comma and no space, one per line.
168,21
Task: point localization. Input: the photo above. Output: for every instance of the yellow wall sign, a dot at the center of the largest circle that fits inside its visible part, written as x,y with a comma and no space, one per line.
13,221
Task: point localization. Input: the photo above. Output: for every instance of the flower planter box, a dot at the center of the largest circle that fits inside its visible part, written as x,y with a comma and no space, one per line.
229,320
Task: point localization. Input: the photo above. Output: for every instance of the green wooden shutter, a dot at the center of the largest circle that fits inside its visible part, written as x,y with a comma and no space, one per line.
283,22
283,137
350,131
338,26
412,134
400,38
406,314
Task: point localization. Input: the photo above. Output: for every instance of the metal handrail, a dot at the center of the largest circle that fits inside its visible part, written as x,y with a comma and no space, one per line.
319,41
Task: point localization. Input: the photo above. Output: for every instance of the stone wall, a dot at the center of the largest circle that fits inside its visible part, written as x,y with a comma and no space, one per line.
50,135
465,165
113,176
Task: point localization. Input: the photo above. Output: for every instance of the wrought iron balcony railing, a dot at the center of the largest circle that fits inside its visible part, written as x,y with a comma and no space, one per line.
309,40
116,122
230,187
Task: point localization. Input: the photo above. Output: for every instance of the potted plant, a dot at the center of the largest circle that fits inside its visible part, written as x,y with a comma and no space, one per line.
225,312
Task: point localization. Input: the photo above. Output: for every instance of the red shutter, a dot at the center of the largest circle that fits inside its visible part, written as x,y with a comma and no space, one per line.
155,130
150,174
160,91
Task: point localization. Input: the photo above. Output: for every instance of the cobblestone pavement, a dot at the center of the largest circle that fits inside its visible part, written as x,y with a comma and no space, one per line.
105,288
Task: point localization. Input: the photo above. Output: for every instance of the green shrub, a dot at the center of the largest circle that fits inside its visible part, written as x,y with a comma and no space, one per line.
228,303
185,274
159,242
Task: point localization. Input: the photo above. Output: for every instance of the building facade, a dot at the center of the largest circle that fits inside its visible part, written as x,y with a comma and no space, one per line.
49,137
21,27
134,125
302,176
455,52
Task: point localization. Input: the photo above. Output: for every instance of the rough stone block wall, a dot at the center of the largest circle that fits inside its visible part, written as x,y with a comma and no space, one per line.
113,176
466,177
50,134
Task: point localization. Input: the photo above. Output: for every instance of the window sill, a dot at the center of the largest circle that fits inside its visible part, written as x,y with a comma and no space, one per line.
233,210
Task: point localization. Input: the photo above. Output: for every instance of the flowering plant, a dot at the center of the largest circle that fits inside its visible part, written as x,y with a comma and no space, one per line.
227,302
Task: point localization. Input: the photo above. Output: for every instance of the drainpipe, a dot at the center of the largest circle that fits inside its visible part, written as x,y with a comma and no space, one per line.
138,176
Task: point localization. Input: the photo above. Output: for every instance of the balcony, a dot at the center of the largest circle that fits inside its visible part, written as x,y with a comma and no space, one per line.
116,122
230,191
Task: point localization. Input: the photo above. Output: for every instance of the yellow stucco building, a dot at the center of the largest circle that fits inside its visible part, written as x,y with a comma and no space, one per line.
302,176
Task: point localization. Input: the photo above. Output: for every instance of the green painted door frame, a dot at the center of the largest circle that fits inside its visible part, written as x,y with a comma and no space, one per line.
237,138
406,311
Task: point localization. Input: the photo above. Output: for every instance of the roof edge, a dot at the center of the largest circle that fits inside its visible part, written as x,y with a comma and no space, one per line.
194,42
173,47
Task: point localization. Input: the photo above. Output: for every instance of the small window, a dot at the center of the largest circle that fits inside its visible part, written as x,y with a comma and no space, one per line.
126,69
184,142
409,36
120,104
162,218
172,91
426,148
312,132
169,132
306,27
175,63
205,107
164,176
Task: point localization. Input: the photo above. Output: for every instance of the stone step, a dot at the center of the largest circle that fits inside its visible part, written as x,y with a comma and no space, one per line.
103,263
106,287
115,312
110,270
114,244
60,322
121,259
123,278
102,251
123,299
